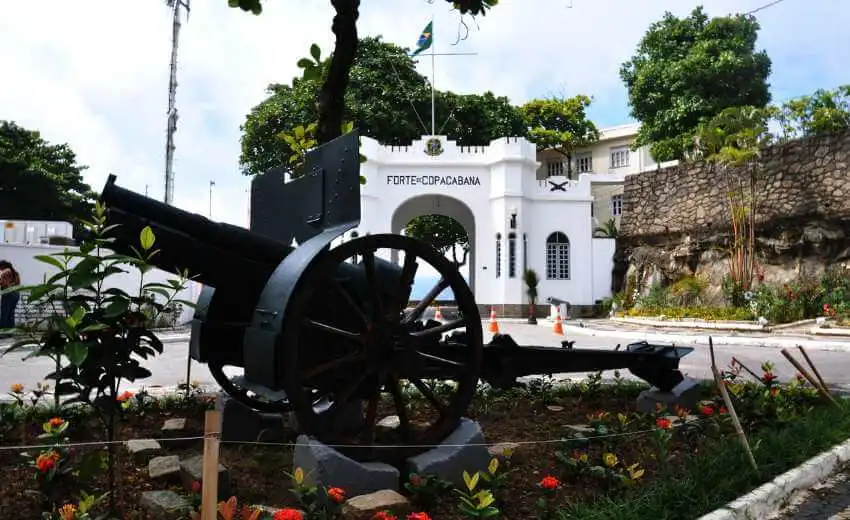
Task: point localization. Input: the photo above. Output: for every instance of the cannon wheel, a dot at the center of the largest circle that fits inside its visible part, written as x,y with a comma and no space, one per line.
244,395
385,348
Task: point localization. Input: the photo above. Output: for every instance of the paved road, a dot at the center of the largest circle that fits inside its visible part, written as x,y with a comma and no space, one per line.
829,500
170,368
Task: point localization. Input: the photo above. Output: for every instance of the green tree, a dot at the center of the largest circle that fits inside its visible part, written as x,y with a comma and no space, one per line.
822,112
608,229
331,99
560,124
686,71
386,101
443,233
40,180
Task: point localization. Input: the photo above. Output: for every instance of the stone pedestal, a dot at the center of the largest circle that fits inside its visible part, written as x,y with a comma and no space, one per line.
686,394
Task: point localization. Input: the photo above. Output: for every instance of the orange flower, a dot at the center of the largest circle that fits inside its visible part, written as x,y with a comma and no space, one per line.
288,514
418,516
336,494
56,422
549,482
124,396
67,512
384,515
46,461
663,423
16,388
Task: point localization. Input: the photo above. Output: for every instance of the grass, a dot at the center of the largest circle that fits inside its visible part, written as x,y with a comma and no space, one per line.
722,473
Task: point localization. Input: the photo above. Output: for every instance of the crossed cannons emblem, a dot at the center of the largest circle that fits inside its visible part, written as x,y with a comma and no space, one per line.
556,186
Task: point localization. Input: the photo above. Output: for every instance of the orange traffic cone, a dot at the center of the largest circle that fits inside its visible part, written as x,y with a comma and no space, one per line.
558,327
438,316
494,325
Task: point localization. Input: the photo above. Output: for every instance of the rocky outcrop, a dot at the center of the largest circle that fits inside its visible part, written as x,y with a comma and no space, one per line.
676,220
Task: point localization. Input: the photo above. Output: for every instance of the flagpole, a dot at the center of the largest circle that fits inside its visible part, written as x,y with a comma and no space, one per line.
433,79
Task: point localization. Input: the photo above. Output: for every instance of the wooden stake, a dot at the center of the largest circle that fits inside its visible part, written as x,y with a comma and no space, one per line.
812,380
725,394
813,367
209,482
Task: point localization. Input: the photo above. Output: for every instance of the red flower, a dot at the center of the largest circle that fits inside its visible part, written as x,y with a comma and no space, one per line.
707,411
384,515
56,422
288,514
336,494
418,516
549,482
196,486
768,377
415,480
46,462
663,423
723,410
124,396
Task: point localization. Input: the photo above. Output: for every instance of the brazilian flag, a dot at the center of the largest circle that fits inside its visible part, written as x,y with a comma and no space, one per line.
425,39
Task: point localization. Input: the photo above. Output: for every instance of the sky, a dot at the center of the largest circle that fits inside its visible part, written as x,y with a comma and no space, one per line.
94,74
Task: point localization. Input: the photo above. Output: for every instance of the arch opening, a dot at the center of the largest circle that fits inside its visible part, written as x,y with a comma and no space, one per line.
449,225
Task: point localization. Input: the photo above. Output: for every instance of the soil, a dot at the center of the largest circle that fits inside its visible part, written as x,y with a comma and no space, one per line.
257,472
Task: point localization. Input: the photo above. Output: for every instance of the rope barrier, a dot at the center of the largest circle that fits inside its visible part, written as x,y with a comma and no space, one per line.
560,440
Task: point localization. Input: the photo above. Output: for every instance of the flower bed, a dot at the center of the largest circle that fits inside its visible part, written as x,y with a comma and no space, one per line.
574,448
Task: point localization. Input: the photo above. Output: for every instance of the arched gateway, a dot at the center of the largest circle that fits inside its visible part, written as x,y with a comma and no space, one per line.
514,221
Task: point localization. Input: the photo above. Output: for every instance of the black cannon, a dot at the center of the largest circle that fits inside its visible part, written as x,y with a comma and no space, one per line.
326,323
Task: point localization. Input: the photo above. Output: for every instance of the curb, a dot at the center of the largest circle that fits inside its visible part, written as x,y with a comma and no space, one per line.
770,498
689,339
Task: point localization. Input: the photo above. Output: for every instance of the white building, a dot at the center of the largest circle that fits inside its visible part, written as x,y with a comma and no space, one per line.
520,209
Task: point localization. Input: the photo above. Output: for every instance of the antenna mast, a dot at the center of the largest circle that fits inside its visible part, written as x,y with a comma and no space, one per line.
175,5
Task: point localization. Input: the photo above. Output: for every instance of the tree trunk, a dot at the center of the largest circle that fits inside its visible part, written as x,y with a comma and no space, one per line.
331,102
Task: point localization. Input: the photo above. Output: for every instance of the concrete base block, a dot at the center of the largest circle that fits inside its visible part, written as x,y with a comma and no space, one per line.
463,450
323,465
241,423
686,394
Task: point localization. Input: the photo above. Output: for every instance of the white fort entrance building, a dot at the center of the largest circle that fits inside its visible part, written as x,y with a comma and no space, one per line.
522,209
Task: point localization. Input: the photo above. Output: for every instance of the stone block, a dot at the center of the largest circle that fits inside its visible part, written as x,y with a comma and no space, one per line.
192,470
323,465
176,429
141,449
686,394
463,450
164,505
241,423
364,507
164,466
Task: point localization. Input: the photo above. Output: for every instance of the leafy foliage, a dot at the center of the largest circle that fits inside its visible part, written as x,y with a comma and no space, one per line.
607,230
473,7
688,70
443,233
822,112
39,180
560,124
385,100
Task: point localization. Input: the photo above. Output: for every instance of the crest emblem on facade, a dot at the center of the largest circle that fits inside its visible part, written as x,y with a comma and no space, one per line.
433,147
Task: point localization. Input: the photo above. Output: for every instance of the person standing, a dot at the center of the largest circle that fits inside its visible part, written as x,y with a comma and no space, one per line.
9,277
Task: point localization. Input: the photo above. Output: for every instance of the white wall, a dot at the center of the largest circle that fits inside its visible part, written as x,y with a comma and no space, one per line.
603,265
33,271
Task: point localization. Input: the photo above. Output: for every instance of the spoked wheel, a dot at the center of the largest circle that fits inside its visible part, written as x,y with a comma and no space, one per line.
348,336
260,399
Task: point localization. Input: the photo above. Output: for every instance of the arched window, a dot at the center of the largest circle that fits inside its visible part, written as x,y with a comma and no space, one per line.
558,256
498,255
512,255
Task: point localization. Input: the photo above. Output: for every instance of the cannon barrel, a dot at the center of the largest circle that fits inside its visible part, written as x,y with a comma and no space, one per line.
214,253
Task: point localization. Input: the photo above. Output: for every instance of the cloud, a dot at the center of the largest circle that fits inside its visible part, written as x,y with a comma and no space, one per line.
95,75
